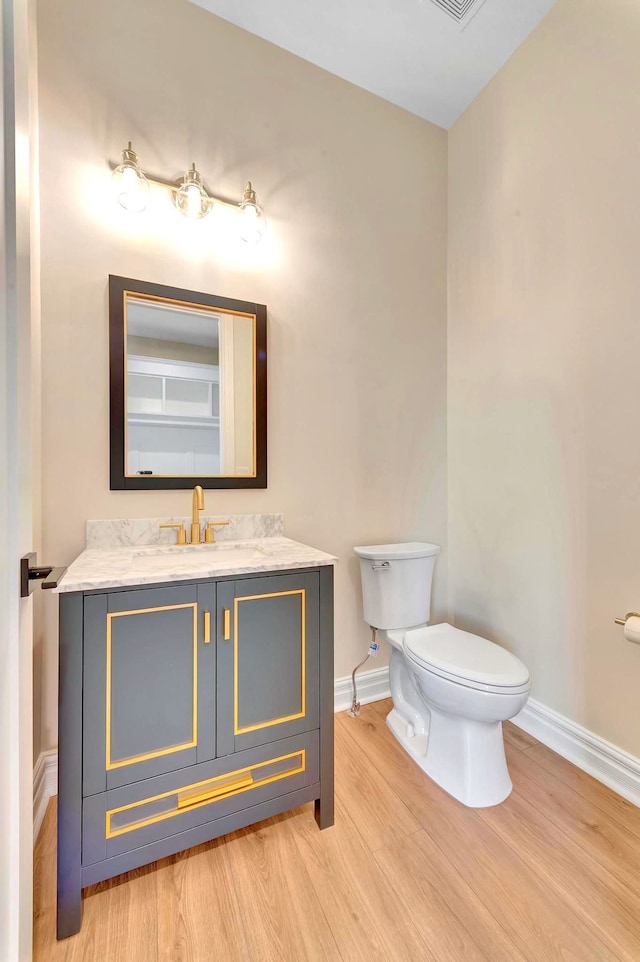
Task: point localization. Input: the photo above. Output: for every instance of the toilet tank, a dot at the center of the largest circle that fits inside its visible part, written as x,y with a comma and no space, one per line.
396,583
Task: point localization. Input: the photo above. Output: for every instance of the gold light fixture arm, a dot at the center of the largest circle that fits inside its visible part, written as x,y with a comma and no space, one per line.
174,187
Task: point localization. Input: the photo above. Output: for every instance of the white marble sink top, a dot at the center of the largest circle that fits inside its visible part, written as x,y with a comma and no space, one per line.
99,568
201,555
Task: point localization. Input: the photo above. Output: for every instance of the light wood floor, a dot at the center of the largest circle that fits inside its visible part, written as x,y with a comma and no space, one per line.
406,874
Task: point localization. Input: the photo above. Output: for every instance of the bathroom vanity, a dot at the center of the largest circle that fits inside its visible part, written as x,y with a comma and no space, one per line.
196,697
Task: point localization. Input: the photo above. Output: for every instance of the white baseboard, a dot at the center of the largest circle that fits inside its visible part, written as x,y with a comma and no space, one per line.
372,686
45,785
609,764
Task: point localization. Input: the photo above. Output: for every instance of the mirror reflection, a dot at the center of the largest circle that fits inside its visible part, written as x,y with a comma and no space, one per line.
190,390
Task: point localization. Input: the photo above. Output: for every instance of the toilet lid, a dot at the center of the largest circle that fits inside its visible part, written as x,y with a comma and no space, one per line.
460,655
408,550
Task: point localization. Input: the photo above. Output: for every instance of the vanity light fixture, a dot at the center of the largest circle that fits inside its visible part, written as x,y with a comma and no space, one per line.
191,198
130,185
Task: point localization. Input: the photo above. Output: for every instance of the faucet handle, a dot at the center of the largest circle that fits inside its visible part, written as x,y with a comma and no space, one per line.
181,535
209,534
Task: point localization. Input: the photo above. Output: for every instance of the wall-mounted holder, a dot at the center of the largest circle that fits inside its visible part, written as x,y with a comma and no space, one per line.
631,625
30,573
623,621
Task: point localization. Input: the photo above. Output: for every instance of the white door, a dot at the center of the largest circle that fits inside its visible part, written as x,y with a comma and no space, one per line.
16,486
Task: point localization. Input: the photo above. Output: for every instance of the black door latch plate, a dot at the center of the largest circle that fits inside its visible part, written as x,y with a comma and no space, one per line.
30,573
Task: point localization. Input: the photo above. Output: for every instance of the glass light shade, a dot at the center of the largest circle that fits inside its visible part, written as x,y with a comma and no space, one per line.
191,198
130,185
253,221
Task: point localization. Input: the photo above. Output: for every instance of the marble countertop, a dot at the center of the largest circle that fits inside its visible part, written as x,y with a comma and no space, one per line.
117,567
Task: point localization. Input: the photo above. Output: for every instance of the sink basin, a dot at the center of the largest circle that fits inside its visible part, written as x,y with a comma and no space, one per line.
202,555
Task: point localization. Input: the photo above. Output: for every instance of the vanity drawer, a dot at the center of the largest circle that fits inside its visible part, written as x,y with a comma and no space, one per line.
126,818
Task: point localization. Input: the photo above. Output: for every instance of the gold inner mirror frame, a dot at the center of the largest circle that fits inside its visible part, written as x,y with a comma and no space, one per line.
134,298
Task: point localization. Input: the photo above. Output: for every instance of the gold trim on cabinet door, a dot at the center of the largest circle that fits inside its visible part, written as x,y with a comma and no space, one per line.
240,785
237,730
122,763
194,307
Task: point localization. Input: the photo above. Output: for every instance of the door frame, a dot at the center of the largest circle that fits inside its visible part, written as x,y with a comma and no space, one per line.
17,296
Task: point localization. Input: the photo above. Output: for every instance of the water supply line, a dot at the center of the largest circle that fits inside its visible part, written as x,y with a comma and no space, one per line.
374,648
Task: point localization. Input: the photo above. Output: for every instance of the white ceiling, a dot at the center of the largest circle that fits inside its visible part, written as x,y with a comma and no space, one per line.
409,52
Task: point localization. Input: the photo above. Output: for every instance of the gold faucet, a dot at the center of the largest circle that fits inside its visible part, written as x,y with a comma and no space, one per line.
196,530
198,506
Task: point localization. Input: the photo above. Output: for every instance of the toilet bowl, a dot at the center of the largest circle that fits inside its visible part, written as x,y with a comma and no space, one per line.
451,690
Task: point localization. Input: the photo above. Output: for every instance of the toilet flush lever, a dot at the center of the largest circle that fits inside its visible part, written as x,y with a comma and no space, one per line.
385,566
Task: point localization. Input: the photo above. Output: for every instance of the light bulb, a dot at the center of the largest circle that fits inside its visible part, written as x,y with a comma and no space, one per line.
130,185
194,202
253,220
191,198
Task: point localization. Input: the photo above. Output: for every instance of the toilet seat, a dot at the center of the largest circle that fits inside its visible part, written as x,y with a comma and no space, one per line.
466,659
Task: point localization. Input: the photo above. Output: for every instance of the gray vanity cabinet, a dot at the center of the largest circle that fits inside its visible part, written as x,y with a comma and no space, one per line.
187,711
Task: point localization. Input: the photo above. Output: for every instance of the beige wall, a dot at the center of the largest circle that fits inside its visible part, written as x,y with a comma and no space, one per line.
544,341
353,273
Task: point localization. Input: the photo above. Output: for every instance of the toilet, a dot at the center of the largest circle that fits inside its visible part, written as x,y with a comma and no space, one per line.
451,690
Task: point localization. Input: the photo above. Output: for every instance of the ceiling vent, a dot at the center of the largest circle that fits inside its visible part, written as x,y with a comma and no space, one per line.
461,10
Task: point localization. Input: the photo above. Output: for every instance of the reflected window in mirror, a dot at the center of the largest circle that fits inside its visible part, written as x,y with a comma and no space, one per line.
188,388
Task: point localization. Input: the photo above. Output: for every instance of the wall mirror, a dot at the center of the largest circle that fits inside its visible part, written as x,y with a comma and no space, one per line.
188,388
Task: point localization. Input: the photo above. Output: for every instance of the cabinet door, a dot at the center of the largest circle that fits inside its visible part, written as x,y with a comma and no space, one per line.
149,683
267,687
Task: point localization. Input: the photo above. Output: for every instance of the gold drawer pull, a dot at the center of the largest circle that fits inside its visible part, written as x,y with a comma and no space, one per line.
219,790
226,624
207,627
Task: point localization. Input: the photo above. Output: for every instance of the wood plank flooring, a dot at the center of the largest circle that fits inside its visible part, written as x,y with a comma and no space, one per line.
405,874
